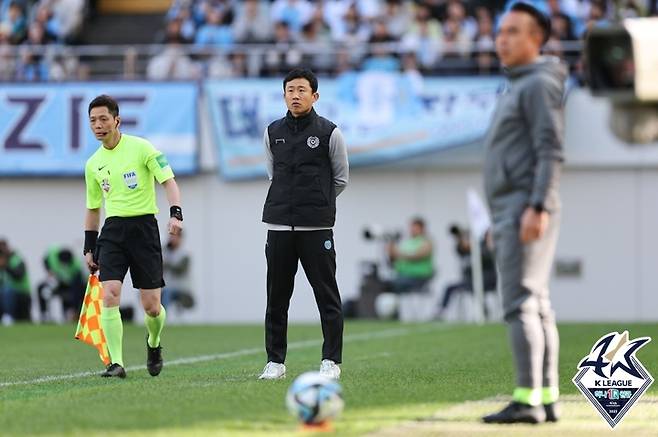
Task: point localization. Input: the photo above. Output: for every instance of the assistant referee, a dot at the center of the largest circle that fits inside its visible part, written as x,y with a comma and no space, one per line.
122,171
307,164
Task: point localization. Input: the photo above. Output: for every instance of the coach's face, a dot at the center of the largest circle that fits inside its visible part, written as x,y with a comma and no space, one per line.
299,96
519,39
103,124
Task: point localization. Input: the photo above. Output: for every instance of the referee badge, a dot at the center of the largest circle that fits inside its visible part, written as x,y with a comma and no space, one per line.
313,142
130,179
327,244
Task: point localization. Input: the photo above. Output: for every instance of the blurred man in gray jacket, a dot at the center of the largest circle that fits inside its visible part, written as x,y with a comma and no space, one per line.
521,174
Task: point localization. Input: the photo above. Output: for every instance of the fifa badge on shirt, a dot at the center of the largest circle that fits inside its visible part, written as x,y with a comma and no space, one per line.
611,377
313,142
130,179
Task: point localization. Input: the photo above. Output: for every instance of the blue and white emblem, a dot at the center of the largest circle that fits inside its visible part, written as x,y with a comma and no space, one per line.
313,142
611,377
130,178
327,244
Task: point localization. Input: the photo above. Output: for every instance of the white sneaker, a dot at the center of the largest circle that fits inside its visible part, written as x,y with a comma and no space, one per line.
273,370
329,369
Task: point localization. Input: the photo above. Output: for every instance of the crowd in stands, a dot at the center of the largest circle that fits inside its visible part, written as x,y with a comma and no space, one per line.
207,38
33,24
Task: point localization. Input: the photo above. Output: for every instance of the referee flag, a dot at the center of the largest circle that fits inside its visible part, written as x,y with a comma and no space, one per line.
89,328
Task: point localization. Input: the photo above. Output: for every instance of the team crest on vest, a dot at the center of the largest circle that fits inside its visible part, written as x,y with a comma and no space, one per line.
313,142
611,377
105,185
130,178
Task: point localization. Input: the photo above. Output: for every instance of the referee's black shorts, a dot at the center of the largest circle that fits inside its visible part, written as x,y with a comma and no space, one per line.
131,243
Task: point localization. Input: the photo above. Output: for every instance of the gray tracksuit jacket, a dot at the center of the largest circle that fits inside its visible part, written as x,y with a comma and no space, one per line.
524,142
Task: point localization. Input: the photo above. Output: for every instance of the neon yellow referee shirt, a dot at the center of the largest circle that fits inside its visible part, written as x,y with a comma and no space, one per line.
124,177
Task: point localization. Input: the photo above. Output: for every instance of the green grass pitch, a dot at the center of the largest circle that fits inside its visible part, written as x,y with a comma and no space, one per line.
392,374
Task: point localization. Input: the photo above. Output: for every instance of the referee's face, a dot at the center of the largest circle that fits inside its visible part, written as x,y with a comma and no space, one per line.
299,96
103,124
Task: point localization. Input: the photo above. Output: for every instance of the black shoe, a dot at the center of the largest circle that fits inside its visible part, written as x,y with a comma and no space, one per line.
552,412
517,412
153,359
114,370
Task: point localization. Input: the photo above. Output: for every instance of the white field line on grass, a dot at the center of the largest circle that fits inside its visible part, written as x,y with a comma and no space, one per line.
239,353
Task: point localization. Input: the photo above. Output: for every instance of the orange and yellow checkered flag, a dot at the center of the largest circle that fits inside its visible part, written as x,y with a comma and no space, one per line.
89,325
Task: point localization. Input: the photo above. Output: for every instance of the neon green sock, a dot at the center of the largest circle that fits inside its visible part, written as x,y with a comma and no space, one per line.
528,396
549,395
154,326
113,330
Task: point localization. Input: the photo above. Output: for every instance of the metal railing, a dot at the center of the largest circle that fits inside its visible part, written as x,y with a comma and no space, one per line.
137,62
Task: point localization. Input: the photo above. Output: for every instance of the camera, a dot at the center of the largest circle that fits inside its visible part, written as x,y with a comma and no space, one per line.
375,232
621,64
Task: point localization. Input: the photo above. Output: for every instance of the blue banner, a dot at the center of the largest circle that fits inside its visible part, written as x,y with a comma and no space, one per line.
44,128
384,116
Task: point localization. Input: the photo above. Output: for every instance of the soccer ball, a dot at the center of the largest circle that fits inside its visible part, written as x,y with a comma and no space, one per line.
314,399
386,305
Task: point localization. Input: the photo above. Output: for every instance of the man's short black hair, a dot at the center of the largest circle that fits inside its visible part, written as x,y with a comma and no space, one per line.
106,101
302,73
540,18
418,221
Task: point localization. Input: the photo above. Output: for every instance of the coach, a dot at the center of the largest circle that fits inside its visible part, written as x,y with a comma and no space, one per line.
307,163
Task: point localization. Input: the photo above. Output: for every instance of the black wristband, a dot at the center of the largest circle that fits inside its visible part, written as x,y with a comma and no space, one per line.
176,212
90,241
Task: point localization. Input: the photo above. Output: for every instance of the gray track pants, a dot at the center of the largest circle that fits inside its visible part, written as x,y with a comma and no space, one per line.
524,275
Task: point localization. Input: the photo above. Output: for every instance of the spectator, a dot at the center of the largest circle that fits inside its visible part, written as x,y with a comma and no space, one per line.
424,37
483,43
37,35
381,54
456,42
561,24
44,17
295,13
353,32
67,17
597,15
457,13
15,299
205,7
15,23
188,27
7,64
252,23
397,14
66,280
412,259
172,63
216,31
282,56
31,66
316,48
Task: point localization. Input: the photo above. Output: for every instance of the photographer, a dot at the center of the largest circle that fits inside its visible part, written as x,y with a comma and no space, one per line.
176,263
15,299
463,250
412,259
66,279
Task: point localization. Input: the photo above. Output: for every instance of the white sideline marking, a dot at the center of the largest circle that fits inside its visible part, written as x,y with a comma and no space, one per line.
225,355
